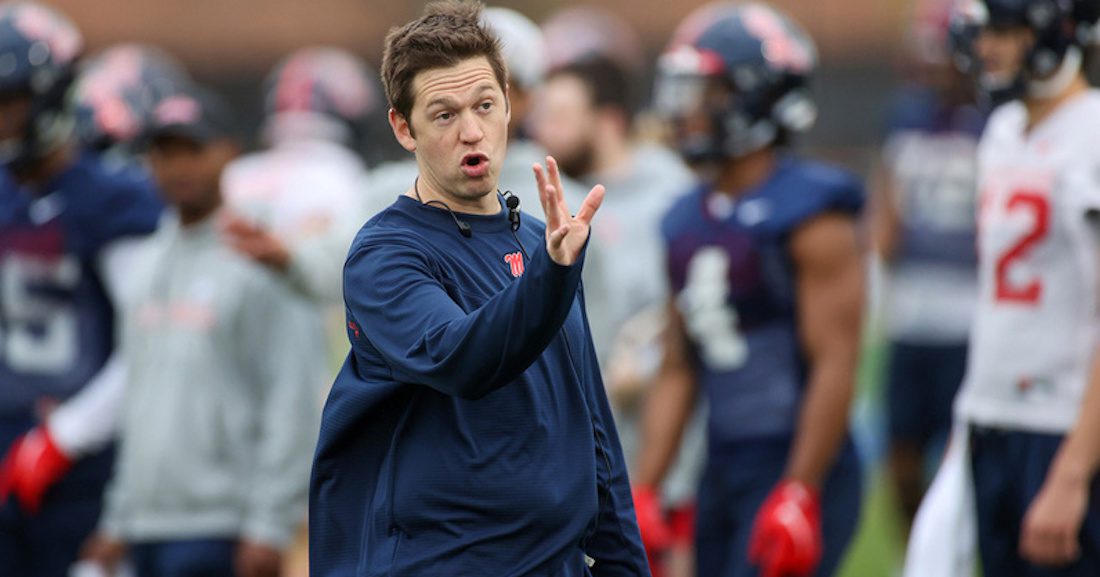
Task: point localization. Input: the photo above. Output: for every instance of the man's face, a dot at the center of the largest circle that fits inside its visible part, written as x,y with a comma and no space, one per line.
458,128
564,122
1001,51
14,114
189,173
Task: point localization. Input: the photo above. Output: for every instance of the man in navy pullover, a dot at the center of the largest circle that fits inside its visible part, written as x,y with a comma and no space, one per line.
468,433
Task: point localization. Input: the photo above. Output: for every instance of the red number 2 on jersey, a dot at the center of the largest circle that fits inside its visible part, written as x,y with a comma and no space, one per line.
1028,292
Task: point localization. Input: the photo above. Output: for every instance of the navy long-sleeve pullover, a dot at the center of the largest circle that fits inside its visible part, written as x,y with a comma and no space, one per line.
468,433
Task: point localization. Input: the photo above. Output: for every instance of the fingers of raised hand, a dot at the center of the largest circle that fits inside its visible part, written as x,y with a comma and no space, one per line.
591,204
546,197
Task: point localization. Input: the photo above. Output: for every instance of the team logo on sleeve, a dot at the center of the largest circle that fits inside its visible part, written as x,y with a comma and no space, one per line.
515,261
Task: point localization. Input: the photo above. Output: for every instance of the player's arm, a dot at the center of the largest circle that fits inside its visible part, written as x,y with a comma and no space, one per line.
89,420
1052,525
82,424
885,215
830,277
668,407
313,262
830,281
316,261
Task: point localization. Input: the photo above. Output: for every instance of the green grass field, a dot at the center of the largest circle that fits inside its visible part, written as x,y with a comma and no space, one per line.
878,547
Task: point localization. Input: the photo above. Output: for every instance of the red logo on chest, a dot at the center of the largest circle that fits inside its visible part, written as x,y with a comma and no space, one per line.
515,261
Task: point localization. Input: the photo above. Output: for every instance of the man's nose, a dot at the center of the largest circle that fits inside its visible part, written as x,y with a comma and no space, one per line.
470,130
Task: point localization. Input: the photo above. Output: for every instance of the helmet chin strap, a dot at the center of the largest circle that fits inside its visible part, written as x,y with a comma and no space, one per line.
1056,83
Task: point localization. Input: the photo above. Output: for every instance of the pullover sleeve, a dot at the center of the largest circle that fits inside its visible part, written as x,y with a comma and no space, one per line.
396,295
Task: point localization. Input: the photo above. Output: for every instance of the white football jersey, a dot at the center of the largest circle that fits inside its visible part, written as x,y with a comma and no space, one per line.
1036,326
311,194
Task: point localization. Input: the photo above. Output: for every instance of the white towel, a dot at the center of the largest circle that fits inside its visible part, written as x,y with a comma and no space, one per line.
943,541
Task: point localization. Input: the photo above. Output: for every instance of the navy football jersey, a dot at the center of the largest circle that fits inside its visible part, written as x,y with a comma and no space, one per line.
56,320
733,280
931,151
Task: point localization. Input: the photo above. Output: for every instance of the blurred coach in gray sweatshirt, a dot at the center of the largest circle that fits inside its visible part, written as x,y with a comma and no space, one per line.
222,411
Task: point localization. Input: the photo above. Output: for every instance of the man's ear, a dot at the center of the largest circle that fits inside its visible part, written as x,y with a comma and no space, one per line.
507,104
402,130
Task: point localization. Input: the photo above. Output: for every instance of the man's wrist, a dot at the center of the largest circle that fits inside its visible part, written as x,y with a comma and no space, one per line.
1069,472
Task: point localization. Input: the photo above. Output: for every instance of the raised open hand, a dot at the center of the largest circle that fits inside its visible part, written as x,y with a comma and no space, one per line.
565,234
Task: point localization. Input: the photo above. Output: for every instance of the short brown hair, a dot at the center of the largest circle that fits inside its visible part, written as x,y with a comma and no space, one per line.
449,32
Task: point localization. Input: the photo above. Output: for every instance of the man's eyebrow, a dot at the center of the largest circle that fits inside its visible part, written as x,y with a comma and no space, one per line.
448,100
486,87
440,100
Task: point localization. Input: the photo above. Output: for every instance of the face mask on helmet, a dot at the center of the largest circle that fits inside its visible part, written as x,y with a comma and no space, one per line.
735,84
1043,38
38,49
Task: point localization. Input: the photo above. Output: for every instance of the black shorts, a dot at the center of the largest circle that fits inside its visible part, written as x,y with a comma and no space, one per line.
921,388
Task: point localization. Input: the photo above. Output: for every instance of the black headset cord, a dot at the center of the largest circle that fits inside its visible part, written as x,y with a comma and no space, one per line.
463,226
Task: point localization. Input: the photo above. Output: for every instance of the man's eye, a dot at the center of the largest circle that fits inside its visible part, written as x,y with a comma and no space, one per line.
444,116
486,105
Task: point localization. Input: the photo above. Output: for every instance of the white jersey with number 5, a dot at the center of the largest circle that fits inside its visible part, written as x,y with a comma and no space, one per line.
1036,325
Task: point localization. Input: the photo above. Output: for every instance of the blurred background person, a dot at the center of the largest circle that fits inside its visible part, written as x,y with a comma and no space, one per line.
295,206
115,94
68,224
1028,413
579,32
221,408
923,223
765,314
584,119
584,116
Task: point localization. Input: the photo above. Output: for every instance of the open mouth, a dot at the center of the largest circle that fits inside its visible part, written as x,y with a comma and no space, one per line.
475,165
473,159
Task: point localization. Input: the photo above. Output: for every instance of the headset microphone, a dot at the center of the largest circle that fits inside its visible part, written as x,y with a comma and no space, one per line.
512,202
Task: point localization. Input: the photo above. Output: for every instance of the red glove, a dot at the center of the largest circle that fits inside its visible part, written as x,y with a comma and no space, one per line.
33,464
786,536
656,536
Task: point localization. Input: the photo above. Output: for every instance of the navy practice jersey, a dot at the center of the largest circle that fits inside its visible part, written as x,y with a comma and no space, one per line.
931,152
56,320
733,281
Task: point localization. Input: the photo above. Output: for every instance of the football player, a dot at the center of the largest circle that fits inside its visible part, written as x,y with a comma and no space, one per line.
67,227
923,222
1031,396
296,205
767,278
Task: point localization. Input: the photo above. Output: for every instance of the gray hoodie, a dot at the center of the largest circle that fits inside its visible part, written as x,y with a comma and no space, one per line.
222,407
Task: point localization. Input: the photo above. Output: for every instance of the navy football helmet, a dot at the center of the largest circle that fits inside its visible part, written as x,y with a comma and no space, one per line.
117,90
320,91
38,51
746,67
1061,29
